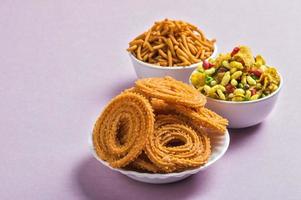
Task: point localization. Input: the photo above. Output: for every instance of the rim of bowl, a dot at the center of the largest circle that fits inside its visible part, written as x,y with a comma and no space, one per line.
214,53
246,102
158,175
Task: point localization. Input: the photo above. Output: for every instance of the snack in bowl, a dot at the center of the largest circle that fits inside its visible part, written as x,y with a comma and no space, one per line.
238,86
202,116
171,91
176,145
236,76
136,132
131,116
172,43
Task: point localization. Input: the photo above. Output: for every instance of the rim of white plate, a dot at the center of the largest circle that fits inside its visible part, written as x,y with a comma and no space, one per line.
162,176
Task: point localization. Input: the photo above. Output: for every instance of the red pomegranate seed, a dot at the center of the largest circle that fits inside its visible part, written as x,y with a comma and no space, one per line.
234,51
256,73
230,88
253,91
206,64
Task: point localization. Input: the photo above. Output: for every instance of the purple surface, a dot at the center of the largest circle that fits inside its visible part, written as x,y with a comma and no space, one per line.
61,61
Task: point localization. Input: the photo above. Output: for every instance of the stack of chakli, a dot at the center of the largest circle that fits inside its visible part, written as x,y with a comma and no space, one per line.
158,126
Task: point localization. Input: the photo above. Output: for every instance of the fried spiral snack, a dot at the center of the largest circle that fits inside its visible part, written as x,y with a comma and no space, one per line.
201,116
143,163
209,119
174,145
172,43
120,133
171,90
156,126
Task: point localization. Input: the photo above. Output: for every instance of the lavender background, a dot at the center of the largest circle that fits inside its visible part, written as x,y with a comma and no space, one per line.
61,62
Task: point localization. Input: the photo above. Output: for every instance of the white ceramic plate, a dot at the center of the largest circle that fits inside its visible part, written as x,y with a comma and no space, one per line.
219,145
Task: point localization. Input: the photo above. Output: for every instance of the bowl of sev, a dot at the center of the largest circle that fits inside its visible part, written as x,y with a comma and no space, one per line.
170,48
159,131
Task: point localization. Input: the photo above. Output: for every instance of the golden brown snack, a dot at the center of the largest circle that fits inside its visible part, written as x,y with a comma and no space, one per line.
211,120
143,163
128,136
120,133
201,116
172,43
171,90
174,146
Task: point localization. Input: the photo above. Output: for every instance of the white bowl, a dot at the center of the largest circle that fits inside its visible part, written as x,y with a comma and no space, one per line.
219,145
146,70
245,113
